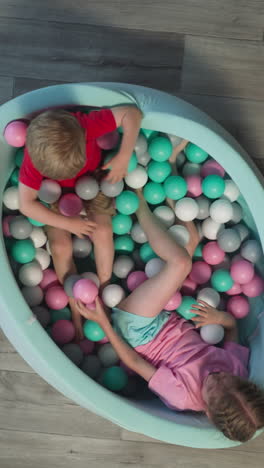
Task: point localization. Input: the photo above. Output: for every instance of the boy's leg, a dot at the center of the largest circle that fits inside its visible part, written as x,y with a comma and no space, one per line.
103,247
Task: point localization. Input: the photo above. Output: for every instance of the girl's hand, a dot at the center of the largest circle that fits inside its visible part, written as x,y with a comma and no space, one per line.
207,315
118,169
98,315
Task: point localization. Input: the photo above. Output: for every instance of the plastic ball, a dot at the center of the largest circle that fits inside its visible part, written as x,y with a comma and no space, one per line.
109,140
236,289
143,159
149,134
112,295
121,224
50,191
198,253
243,231
23,251
20,228
242,271
212,253
146,252
91,366
86,187
229,240
180,234
238,306
56,298
181,159
127,202
210,296
221,280
251,251
33,295
114,378
159,171
6,225
19,156
85,290
14,178
212,167
107,355
221,211
254,288
212,334
211,229
225,264
62,332
175,187
138,234
43,258
70,205
195,154
49,279
131,165
185,307
153,267
237,213
93,331
191,169
123,266
137,178
203,207
231,191
81,247
213,186
73,352
69,283
165,214
42,314
175,140
141,145
38,237
124,244
186,209
11,199
111,190
60,314
188,287
15,133
194,185
86,346
201,272
174,302
135,279
154,193
160,148
91,276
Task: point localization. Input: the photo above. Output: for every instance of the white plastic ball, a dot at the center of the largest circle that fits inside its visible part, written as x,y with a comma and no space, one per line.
191,169
229,240
137,234
20,227
30,274
251,250
81,247
143,159
137,178
212,334
153,267
231,190
243,231
237,213
50,191
91,366
203,206
38,236
165,214
91,276
43,258
141,145
221,211
210,228
112,295
175,140
33,295
210,296
123,265
48,247
11,199
86,187
107,355
186,209
111,190
180,234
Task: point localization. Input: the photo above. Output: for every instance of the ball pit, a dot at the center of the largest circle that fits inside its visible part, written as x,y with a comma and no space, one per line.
163,113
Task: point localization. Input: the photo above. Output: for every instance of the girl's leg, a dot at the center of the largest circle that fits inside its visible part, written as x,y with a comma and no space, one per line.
103,247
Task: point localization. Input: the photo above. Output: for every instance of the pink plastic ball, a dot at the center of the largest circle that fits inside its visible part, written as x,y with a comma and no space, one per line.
201,272
86,346
174,301
62,332
254,288
212,167
109,140
6,225
15,133
136,278
103,340
49,279
194,185
212,253
188,287
242,271
70,204
85,290
238,306
236,289
56,298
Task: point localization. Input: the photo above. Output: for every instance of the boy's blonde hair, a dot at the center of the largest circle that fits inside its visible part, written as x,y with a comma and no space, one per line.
240,411
56,144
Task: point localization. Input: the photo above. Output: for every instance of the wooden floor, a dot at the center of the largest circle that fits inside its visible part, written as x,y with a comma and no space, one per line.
209,52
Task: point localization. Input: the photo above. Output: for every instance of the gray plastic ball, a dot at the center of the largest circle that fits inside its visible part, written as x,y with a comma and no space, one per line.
86,187
91,366
229,240
108,355
73,352
69,283
20,227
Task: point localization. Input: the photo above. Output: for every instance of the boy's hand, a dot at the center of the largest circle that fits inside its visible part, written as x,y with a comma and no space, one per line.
98,315
80,226
206,315
118,169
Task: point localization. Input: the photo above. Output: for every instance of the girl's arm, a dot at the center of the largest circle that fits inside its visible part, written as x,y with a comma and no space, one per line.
127,354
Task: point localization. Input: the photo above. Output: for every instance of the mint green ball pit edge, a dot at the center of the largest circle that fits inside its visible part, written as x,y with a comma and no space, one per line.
165,113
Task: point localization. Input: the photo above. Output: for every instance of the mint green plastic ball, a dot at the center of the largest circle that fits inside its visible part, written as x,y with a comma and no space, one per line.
132,161
149,134
124,244
221,280
114,378
198,253
160,148
23,251
121,224
195,154
154,193
146,252
14,176
60,314
159,171
93,331
175,187
184,308
127,202
213,186
19,156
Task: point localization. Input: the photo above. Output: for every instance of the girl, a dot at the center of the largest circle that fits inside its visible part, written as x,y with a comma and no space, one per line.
185,372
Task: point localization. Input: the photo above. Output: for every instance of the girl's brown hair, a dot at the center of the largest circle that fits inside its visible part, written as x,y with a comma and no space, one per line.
56,144
240,411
